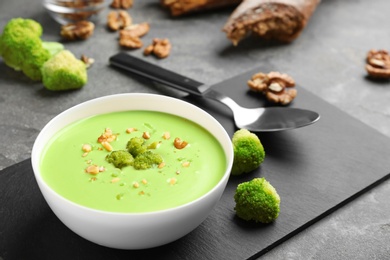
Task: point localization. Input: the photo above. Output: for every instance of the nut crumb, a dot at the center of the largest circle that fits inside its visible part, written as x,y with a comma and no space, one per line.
106,138
130,130
172,181
87,61
179,144
146,135
114,180
92,169
185,164
92,179
166,135
107,146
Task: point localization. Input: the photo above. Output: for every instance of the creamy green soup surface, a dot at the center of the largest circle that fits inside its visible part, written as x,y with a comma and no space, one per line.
185,174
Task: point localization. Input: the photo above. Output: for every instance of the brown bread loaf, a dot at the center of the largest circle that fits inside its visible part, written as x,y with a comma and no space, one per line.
281,20
182,7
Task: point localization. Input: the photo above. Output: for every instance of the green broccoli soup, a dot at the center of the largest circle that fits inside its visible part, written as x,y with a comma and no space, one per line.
133,161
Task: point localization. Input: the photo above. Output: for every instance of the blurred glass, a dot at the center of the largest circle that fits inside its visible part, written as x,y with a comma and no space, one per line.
68,11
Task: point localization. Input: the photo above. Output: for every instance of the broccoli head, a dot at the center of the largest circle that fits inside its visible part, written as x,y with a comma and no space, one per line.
63,72
22,48
120,158
147,160
248,152
257,200
136,155
136,146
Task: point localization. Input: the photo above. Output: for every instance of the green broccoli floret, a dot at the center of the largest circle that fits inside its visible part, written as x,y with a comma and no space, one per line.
22,48
248,152
63,72
136,146
120,158
146,160
137,155
257,200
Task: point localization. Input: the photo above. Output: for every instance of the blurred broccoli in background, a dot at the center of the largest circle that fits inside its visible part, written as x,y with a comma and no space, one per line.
22,49
63,72
257,200
248,152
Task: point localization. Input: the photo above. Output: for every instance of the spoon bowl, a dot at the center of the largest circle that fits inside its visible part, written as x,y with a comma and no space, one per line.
269,119
264,119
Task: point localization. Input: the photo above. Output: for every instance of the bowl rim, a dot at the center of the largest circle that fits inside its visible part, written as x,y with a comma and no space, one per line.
35,156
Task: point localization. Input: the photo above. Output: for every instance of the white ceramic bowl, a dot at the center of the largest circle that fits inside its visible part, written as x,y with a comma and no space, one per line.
132,230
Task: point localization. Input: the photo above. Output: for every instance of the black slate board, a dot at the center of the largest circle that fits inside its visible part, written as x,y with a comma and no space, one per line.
316,170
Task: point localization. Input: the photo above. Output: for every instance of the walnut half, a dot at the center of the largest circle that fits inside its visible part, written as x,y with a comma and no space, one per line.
161,48
130,36
378,64
277,87
117,20
80,30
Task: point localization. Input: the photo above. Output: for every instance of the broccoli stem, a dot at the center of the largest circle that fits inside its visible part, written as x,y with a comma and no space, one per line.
53,47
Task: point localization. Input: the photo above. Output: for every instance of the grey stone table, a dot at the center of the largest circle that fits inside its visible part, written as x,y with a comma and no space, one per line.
327,59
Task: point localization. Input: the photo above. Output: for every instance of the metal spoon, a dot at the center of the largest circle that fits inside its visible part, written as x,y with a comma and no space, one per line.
264,119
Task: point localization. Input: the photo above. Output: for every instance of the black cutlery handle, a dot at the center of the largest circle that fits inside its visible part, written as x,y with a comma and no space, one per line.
158,74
